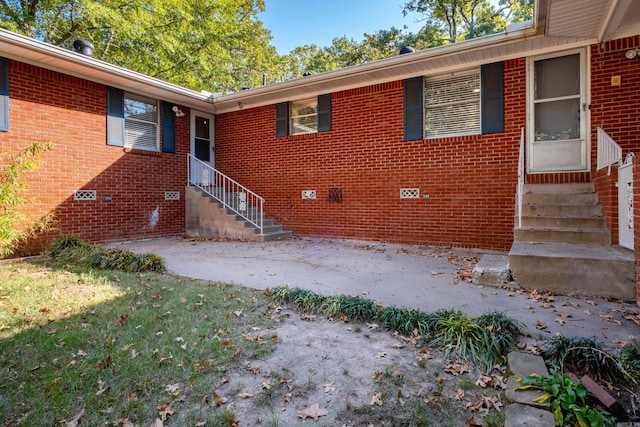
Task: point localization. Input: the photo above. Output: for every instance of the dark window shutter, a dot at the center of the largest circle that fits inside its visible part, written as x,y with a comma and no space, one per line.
282,119
168,128
4,94
413,109
115,116
492,98
324,113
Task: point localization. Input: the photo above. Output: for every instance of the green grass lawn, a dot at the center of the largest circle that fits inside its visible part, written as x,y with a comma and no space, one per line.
106,347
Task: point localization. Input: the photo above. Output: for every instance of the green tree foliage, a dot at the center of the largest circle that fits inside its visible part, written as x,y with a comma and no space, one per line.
213,45
445,21
13,226
456,20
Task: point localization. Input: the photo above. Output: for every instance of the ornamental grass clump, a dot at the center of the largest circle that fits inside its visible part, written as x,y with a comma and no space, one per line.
404,320
581,356
73,250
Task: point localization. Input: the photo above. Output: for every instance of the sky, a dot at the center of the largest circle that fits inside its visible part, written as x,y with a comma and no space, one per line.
296,23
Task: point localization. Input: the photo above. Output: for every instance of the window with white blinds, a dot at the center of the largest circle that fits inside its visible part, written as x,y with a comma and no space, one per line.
304,116
140,122
452,105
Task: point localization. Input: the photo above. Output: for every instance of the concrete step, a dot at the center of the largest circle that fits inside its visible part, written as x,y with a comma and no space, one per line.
582,269
581,199
581,187
213,219
600,236
564,221
269,237
559,210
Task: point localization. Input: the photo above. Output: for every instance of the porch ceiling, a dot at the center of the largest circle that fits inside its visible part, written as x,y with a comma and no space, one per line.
600,19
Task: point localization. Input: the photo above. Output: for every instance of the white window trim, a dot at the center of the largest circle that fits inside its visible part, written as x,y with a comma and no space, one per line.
156,124
469,72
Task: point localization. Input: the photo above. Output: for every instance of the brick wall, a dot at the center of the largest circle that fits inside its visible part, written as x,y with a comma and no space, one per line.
617,110
71,113
471,180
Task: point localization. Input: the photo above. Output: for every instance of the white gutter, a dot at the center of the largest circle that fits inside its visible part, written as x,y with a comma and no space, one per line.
25,49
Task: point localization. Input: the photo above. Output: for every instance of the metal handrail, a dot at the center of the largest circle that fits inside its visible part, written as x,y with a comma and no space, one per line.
521,176
233,195
609,152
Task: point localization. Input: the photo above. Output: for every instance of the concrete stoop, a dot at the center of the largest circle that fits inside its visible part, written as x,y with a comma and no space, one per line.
564,245
206,217
521,410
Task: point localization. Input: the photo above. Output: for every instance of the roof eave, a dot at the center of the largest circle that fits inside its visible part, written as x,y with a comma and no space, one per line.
24,49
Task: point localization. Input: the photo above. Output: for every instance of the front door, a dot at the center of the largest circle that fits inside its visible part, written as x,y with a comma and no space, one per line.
202,146
557,114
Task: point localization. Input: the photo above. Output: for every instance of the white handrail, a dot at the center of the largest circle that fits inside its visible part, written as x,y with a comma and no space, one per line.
521,174
233,196
609,152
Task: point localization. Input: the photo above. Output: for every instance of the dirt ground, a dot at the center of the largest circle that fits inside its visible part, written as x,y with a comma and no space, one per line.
332,373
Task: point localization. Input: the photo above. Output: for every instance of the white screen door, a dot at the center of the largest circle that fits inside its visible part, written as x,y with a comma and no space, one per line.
557,111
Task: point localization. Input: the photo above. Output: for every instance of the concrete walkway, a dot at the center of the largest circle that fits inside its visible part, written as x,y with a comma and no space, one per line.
425,278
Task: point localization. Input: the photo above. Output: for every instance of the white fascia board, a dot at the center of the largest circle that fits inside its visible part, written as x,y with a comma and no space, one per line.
34,52
392,67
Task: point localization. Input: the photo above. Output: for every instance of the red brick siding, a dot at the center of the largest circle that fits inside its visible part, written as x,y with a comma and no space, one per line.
71,113
471,180
617,110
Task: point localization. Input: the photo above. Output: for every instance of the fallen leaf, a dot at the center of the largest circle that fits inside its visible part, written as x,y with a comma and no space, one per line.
266,386
559,320
564,314
329,387
472,422
312,411
245,395
173,389
456,368
165,410
570,304
376,376
397,346
238,313
459,394
157,423
608,318
381,354
376,399
540,325
73,422
219,400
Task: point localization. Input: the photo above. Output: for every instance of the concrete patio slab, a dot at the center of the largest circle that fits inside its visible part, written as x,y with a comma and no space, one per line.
420,277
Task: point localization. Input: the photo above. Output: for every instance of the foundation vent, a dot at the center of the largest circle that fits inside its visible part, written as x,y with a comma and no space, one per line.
83,195
172,195
409,193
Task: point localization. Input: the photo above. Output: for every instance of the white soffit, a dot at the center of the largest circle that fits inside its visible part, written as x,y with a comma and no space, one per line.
30,51
601,19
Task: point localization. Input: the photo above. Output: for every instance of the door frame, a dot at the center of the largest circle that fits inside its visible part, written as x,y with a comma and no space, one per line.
192,137
585,114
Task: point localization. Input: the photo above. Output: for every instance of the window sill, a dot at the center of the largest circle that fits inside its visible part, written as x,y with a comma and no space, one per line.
141,152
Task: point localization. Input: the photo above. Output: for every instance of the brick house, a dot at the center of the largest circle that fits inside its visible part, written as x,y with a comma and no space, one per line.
493,143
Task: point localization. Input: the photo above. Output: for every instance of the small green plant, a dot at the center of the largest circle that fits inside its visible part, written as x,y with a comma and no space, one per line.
569,400
69,249
14,227
456,332
630,360
358,308
403,320
582,356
